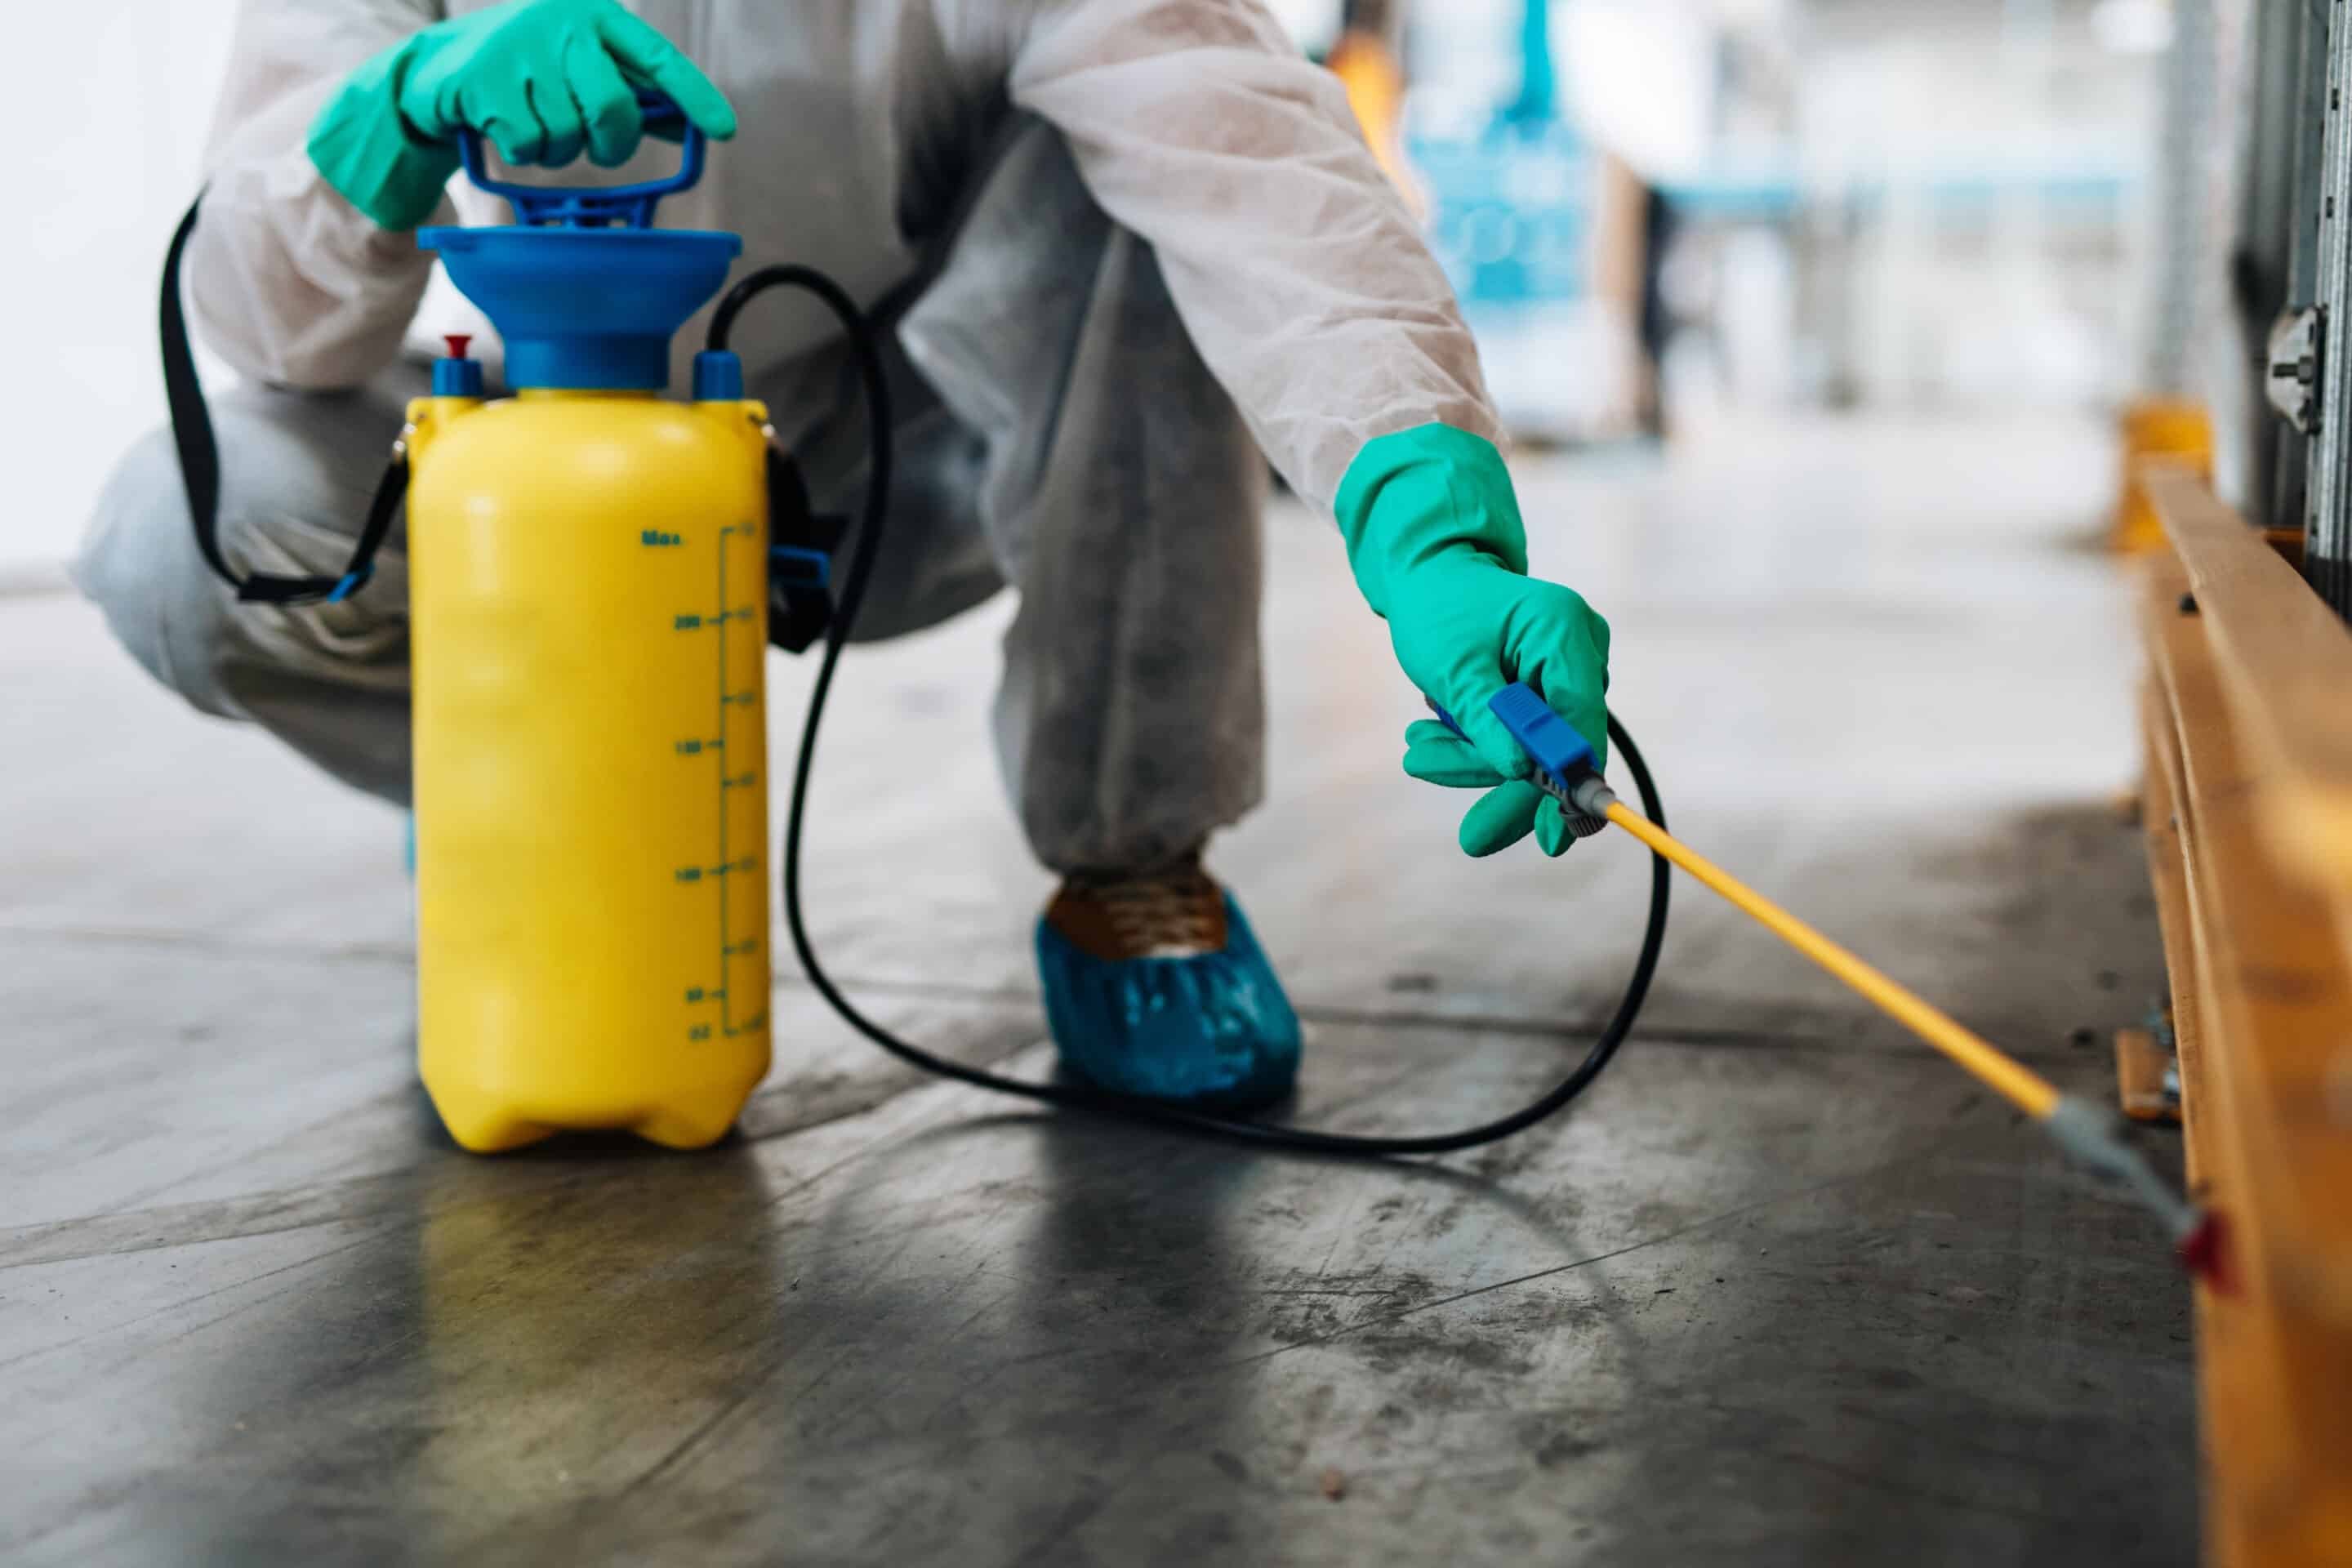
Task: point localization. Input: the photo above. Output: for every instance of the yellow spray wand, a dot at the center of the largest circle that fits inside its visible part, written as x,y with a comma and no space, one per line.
2090,1135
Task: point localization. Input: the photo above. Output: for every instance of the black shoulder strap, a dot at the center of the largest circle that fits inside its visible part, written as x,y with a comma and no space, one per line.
192,433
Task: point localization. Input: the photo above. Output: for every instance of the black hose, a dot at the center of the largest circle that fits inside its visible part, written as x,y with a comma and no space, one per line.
1079,1097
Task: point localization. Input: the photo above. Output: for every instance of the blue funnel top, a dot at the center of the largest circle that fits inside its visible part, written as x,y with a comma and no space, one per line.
586,308
585,291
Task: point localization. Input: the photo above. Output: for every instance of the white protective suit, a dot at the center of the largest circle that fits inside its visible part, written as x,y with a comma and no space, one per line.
1118,239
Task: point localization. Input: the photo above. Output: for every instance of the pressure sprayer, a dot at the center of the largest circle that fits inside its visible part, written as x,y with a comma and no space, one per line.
594,573
589,592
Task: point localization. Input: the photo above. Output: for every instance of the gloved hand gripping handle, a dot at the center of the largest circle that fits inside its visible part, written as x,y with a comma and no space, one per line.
1563,759
598,206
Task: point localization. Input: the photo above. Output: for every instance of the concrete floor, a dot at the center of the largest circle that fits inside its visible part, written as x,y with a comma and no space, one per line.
1783,1289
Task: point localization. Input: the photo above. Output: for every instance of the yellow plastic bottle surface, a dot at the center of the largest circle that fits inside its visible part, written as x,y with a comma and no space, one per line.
588,605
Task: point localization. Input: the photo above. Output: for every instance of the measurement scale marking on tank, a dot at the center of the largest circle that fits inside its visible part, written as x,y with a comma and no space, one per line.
727,865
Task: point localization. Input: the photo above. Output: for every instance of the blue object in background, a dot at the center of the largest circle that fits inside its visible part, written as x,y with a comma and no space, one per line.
1538,99
1511,211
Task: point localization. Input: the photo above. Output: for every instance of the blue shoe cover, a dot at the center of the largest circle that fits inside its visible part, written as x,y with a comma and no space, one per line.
1212,1029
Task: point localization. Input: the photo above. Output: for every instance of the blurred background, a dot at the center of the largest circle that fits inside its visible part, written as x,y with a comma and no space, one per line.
1696,208
1775,204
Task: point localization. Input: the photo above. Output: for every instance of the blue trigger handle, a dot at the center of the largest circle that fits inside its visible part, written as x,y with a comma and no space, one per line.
605,206
1562,756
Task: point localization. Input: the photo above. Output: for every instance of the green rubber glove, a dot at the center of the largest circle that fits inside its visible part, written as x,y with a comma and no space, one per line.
541,78
1433,533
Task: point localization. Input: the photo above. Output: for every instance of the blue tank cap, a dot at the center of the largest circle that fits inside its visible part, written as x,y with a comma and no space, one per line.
457,373
586,292
717,377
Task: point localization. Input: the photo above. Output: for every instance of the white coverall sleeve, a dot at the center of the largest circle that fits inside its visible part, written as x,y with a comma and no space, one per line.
1294,265
287,280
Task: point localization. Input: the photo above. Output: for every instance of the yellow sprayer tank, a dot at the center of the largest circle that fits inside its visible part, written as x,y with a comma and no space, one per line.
588,570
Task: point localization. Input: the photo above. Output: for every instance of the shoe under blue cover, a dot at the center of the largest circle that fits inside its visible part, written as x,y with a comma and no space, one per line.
1215,1029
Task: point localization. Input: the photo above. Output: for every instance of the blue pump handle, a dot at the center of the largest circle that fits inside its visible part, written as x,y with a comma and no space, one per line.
605,207
1551,741
1563,759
